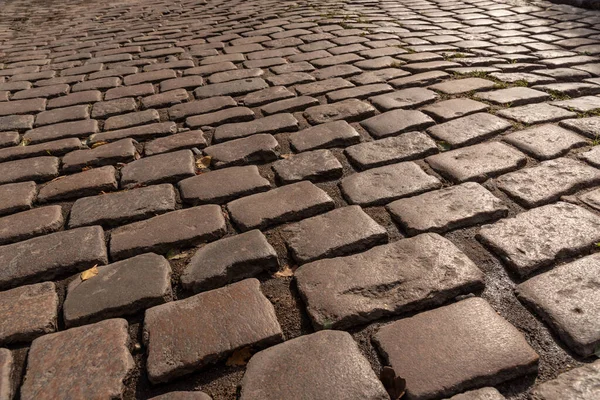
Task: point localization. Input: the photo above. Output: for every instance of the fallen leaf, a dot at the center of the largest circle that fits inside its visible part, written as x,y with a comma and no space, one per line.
174,254
394,385
239,357
285,272
203,162
24,142
98,144
285,156
89,273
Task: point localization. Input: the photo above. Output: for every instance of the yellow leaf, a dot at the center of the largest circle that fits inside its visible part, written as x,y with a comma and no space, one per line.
203,162
285,272
171,255
285,156
239,357
90,273
24,142
98,144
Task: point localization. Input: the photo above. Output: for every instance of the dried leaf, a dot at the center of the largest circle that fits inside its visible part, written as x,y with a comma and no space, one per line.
89,273
285,156
203,162
174,254
24,142
239,357
394,385
98,144
285,272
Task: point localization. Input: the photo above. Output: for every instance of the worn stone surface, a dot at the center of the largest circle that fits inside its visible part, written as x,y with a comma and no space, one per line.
578,383
332,367
116,208
348,110
38,169
52,255
335,233
568,300
317,165
394,122
183,396
487,393
245,318
268,125
586,126
379,186
17,197
546,141
454,108
84,183
468,334
542,236
229,260
119,289
400,277
280,205
60,365
259,148
516,96
121,151
30,223
180,141
536,113
6,372
161,168
181,228
28,312
547,181
327,135
470,129
446,209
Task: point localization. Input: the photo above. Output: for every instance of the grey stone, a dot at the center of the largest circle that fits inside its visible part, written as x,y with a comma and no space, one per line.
547,181
284,204
589,127
487,393
17,197
546,141
465,85
330,134
131,119
351,110
421,79
256,148
581,104
447,209
454,108
540,237
592,157
406,98
379,186
360,92
477,163
268,125
229,260
327,365
33,169
183,396
222,186
406,147
245,318
592,199
339,232
179,141
264,96
394,122
313,166
467,345
181,228
74,374
290,105
216,118
536,113
161,168
49,256
400,277
127,206
31,223
515,96
568,300
28,312
119,289
470,129
577,384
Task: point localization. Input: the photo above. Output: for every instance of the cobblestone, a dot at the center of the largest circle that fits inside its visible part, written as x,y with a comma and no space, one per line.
578,383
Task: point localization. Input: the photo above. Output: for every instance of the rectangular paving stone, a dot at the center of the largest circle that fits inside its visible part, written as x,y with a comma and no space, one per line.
229,260
408,146
536,114
546,141
31,106
454,108
161,168
488,393
585,126
143,89
396,278
72,99
49,256
332,366
119,289
176,229
231,88
78,129
322,87
7,368
360,92
252,149
515,96
75,373
447,209
394,122
222,186
295,104
540,237
28,312
86,183
264,96
465,85
283,204
477,163
165,99
338,232
567,299
268,125
349,110
64,114
421,79
17,197
209,105
548,181
121,151
27,224
406,98
245,318
16,122
143,132
183,140
127,206
576,383
379,186
317,165
228,115
38,169
468,345
131,119
470,129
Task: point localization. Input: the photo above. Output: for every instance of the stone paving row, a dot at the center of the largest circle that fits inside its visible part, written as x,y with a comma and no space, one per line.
210,199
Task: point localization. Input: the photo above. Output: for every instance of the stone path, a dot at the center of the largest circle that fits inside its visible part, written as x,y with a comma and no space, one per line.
215,199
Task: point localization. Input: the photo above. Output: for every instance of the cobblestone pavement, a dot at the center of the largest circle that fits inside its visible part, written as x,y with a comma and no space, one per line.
275,199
